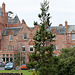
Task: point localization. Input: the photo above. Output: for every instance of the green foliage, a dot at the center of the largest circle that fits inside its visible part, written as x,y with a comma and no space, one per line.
70,52
43,54
67,62
49,67
18,59
35,23
31,65
10,14
37,73
33,73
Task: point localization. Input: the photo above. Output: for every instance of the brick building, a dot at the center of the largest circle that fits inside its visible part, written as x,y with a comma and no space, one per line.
18,37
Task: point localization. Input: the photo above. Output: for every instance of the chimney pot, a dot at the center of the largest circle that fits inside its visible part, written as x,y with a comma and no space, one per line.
66,24
60,25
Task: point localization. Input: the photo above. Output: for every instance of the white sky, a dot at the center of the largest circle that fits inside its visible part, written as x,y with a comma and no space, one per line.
60,10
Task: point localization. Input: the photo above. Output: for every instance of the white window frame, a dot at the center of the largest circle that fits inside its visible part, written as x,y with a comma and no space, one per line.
25,38
54,37
24,47
31,46
55,47
10,37
73,36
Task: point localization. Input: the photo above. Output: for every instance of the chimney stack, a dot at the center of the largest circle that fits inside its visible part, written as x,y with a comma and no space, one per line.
66,24
3,8
60,25
23,22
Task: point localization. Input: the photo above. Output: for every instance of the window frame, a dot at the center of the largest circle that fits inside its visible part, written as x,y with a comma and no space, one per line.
31,46
24,48
25,37
73,36
55,47
55,36
10,37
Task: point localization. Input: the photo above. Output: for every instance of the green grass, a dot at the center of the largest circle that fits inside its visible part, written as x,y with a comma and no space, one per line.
25,72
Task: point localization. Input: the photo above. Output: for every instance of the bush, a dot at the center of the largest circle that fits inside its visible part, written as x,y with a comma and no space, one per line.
31,65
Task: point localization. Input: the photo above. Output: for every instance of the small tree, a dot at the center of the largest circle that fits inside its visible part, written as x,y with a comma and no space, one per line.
43,53
18,59
10,14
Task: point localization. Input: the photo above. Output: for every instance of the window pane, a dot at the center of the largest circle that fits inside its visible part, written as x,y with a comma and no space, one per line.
31,47
10,59
11,55
7,55
73,36
55,47
3,59
3,55
25,36
7,59
23,48
10,37
54,37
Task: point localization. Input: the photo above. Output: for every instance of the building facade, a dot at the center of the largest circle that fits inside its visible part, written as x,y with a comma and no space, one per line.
18,37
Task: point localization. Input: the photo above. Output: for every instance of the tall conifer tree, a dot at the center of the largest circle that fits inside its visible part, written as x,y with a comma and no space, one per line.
42,39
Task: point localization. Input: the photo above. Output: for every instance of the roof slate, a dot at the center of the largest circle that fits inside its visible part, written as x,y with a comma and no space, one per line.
59,29
15,20
70,28
14,30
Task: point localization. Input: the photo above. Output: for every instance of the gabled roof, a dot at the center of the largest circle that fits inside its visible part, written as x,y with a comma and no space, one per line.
59,29
70,28
14,30
15,20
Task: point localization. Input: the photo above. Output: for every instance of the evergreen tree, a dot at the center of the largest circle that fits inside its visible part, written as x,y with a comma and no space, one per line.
66,64
43,53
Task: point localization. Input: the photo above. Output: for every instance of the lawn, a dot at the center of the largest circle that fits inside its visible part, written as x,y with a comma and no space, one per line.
25,72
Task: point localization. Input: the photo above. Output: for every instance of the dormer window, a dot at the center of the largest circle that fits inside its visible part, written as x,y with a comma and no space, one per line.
10,37
25,36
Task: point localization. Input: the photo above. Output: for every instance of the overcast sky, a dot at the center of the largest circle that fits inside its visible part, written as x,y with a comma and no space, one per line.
60,10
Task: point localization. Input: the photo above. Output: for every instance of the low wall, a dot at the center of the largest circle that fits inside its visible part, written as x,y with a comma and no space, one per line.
11,74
